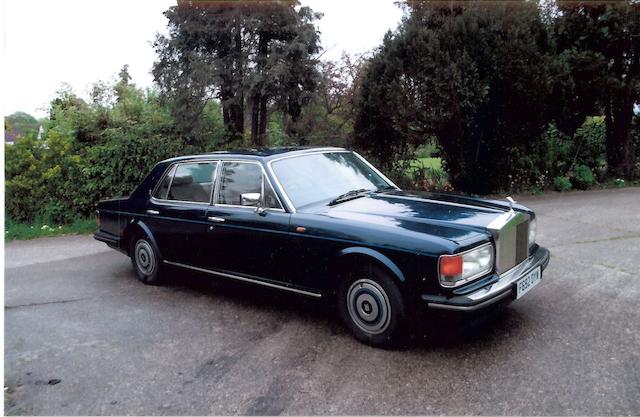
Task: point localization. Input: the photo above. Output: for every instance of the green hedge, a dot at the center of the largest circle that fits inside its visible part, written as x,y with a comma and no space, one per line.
90,152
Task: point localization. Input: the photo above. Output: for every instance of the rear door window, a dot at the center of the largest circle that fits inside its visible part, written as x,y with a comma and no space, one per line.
193,182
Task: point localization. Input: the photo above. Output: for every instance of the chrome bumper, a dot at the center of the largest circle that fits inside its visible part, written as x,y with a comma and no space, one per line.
498,290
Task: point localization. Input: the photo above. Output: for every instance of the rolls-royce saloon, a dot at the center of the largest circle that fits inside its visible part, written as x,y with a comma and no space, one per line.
325,223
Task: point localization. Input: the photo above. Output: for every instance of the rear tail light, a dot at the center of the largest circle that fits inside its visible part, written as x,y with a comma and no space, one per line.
98,217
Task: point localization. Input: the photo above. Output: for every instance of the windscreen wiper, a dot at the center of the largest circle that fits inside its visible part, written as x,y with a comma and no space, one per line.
349,195
386,188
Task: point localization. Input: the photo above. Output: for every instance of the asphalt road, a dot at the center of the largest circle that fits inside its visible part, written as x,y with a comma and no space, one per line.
83,336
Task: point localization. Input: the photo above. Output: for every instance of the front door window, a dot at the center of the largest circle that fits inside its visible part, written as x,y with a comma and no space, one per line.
240,181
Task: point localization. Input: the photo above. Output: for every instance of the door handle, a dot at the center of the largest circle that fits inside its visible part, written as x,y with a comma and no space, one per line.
153,212
215,219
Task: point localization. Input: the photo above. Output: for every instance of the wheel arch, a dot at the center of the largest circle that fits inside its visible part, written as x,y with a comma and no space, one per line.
138,226
347,258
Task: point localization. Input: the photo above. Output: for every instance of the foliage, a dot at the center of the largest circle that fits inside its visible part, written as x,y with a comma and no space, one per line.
276,131
430,178
332,110
582,177
21,124
589,140
92,151
561,184
619,182
38,229
474,75
598,47
559,153
482,96
252,56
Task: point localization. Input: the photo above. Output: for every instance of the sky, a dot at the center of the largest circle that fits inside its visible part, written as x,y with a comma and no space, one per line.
48,43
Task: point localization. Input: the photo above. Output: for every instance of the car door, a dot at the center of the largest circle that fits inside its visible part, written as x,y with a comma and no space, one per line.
176,214
248,232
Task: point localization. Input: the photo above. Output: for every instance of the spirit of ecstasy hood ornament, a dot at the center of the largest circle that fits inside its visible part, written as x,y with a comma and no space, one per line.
511,202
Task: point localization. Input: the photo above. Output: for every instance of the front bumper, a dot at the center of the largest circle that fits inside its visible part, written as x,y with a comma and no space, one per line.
501,289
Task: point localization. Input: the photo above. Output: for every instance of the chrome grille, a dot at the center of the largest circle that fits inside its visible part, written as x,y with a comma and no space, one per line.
511,235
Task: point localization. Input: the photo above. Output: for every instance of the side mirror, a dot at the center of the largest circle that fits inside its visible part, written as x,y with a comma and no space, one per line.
250,199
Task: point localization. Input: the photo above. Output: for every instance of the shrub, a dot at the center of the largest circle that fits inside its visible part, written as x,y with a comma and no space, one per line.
582,177
430,179
619,182
555,157
90,152
561,184
589,143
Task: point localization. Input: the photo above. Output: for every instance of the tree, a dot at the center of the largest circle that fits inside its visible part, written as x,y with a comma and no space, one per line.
257,54
328,118
473,74
599,42
20,124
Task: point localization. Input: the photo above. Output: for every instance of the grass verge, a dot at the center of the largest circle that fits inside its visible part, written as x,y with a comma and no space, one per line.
433,163
22,231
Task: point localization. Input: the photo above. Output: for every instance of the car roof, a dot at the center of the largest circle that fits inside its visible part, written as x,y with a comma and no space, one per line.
265,154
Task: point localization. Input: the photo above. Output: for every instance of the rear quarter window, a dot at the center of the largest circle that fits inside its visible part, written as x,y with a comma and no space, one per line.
163,188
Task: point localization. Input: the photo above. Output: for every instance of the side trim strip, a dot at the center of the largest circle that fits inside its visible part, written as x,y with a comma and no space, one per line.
245,279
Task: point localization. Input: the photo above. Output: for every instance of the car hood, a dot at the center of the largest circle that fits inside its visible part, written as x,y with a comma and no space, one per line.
456,218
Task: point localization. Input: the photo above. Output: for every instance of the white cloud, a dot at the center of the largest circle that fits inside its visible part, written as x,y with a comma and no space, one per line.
48,43
354,26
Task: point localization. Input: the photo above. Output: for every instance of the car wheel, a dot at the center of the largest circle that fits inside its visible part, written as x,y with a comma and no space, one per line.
372,307
146,260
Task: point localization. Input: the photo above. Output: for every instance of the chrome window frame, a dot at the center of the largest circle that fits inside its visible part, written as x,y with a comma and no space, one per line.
162,201
290,204
159,183
214,199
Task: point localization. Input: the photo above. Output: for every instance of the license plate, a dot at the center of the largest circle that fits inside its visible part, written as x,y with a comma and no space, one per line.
527,282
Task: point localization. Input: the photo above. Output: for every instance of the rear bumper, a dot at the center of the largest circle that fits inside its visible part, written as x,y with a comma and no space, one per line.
112,241
499,290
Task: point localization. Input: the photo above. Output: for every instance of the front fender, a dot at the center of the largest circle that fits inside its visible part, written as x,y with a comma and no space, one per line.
384,260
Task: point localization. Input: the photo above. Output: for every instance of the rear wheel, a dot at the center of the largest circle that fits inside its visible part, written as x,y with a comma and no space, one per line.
145,260
372,307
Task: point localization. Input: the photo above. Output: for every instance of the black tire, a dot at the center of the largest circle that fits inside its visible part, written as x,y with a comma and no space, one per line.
372,307
146,260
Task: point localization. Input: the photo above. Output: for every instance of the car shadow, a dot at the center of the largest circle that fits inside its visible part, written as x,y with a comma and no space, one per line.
254,297
427,332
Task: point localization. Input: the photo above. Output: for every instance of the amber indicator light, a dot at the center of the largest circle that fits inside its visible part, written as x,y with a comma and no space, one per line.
451,266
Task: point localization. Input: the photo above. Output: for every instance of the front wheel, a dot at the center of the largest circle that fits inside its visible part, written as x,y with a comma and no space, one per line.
145,260
372,307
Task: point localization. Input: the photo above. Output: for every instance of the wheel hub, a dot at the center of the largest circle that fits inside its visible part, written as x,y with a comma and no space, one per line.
145,258
369,306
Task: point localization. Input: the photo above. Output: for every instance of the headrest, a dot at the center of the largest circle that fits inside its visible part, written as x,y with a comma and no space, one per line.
182,180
